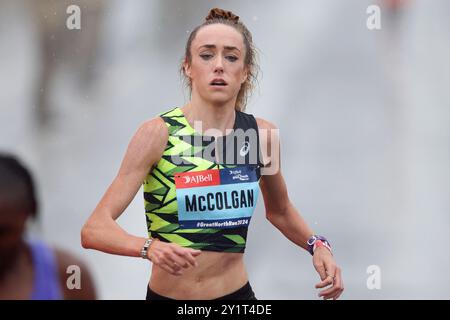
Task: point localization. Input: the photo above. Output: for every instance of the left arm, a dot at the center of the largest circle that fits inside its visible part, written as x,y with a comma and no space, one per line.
284,216
281,212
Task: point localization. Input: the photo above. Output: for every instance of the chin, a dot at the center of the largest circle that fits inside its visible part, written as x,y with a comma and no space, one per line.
217,97
217,101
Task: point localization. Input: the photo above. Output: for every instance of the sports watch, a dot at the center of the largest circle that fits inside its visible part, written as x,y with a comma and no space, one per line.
316,241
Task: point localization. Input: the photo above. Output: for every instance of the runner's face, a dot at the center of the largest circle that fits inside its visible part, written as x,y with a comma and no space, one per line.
217,51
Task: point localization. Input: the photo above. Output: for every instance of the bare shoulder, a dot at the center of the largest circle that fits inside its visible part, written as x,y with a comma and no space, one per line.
147,144
153,130
269,142
69,268
268,132
265,124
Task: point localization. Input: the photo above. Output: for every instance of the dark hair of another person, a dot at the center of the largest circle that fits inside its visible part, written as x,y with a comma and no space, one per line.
17,188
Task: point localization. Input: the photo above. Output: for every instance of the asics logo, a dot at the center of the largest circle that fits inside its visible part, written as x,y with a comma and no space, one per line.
245,148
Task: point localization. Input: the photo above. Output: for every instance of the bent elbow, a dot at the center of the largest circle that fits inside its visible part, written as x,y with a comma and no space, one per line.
86,237
281,213
269,216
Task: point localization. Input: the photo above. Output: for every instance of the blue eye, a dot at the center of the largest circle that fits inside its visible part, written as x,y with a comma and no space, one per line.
232,58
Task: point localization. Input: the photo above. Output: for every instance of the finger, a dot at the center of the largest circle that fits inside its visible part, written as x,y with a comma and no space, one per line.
333,291
333,295
195,252
330,272
187,256
175,261
175,257
194,261
341,286
160,262
173,265
338,280
329,293
167,268
174,271
186,264
321,270
178,273
325,283
339,294
166,260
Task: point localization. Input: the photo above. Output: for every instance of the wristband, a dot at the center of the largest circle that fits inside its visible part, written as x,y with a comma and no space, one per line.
320,243
144,249
316,241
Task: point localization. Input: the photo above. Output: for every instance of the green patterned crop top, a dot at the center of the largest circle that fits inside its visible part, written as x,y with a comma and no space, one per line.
196,200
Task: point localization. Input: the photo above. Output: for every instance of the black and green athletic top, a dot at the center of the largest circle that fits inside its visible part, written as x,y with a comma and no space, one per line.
198,199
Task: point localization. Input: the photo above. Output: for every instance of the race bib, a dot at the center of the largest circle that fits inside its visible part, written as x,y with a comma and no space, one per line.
216,198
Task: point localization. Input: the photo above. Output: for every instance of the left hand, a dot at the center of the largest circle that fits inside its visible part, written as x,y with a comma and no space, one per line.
329,272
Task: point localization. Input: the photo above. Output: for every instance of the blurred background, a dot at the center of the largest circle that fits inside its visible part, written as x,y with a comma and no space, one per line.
364,117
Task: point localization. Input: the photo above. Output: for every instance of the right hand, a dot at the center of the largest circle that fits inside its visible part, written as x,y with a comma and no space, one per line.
172,257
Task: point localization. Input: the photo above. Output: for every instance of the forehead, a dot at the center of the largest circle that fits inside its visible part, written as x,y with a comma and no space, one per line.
220,35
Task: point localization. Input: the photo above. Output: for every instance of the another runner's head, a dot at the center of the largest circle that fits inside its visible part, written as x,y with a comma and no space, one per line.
17,204
210,54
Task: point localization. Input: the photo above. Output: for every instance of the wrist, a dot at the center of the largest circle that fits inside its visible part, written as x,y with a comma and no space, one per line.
146,247
319,245
315,242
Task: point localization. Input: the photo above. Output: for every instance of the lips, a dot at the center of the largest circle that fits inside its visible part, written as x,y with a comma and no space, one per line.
218,82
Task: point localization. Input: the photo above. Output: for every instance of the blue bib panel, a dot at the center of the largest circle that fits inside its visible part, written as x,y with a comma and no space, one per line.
217,198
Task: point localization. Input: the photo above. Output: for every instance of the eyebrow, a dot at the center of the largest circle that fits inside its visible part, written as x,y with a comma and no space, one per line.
213,46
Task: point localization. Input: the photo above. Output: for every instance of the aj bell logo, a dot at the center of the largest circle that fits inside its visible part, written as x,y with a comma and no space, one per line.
245,148
198,179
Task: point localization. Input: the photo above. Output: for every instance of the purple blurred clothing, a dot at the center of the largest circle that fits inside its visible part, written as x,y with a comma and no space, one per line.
46,284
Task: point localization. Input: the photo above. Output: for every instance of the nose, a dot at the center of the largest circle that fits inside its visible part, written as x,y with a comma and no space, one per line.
218,67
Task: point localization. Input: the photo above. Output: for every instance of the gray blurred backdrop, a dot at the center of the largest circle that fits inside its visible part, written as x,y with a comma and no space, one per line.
364,118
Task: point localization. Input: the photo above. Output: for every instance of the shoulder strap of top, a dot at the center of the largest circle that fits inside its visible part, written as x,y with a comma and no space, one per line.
176,122
247,121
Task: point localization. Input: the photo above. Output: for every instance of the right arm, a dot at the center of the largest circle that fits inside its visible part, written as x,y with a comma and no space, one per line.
102,232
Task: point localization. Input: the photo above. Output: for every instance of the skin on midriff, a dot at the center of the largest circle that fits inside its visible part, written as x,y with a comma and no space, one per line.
217,274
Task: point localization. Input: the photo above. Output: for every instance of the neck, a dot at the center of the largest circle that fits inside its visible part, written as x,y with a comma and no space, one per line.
220,117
